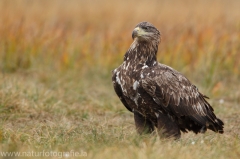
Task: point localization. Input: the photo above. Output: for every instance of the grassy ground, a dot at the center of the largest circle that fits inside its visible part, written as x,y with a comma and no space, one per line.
56,59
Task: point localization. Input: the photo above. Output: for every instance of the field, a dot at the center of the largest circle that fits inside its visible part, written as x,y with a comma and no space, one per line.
56,59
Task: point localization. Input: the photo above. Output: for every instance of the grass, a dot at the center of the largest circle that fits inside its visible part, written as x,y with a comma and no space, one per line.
56,59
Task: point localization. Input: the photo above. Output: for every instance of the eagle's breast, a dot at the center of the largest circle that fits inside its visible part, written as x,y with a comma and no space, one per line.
128,78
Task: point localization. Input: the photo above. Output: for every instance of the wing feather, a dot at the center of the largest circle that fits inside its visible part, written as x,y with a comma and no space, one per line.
176,94
119,92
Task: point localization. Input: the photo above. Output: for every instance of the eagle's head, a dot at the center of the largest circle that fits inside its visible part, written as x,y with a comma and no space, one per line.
146,32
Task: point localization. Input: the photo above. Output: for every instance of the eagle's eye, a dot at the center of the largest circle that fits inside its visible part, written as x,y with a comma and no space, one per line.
145,27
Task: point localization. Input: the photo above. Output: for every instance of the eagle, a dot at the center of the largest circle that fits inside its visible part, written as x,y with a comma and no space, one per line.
160,97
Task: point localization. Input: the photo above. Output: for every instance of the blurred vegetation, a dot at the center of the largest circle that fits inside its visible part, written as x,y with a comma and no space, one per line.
79,34
56,59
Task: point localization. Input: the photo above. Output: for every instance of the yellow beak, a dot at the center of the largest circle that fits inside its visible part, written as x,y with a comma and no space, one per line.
138,32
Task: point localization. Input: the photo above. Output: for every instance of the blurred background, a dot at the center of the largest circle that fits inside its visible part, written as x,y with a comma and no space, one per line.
56,58
90,33
199,38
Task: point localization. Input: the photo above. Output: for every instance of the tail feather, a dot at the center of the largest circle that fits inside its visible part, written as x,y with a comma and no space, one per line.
217,126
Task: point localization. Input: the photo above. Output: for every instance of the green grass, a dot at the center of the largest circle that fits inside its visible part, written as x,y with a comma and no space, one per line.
56,59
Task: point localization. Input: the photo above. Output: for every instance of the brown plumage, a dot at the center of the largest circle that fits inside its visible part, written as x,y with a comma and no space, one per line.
158,95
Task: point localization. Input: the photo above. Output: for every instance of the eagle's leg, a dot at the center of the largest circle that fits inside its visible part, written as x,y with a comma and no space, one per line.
167,128
143,125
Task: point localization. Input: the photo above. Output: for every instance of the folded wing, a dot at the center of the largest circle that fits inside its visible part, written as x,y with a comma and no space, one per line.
178,97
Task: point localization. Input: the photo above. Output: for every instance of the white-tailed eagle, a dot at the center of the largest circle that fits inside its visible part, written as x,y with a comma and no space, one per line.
158,95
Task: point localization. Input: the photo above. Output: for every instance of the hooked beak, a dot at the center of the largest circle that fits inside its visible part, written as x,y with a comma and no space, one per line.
138,32
135,32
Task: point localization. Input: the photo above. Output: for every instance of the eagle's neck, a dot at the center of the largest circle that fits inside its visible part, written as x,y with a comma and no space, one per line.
142,53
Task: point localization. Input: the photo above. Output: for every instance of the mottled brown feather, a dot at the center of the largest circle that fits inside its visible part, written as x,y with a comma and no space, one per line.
157,94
